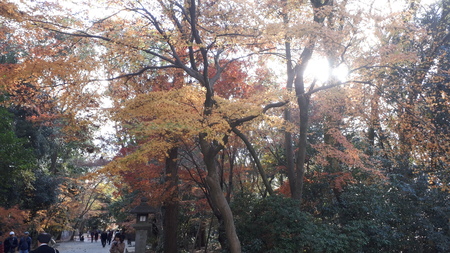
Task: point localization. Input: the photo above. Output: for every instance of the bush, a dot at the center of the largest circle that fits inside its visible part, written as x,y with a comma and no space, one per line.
276,224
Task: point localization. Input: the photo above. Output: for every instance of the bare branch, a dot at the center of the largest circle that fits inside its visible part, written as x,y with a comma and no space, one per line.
240,121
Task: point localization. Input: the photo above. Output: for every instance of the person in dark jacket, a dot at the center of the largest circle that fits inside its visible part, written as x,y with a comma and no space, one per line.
110,235
43,240
25,243
103,238
11,243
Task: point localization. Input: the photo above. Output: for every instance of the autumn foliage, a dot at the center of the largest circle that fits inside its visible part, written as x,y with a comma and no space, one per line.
216,109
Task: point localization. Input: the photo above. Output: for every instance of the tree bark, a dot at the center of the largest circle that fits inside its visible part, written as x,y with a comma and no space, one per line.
290,166
217,197
171,206
303,102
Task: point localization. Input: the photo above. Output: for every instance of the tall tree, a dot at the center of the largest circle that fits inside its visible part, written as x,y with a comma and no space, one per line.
186,36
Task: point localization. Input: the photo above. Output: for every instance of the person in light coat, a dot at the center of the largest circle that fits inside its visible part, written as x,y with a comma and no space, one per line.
117,246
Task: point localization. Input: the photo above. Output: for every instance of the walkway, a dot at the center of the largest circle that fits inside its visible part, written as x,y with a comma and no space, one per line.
82,247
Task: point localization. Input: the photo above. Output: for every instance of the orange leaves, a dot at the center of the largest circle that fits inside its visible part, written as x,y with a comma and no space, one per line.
340,179
172,114
342,150
13,219
159,117
10,11
285,189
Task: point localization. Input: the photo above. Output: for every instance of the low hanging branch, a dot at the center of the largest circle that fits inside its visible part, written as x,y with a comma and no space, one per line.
249,146
255,158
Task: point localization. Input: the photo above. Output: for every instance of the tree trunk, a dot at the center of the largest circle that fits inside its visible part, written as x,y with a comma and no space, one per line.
290,166
217,197
303,102
171,206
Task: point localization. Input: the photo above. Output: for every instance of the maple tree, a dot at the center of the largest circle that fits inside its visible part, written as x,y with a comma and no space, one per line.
194,59
199,115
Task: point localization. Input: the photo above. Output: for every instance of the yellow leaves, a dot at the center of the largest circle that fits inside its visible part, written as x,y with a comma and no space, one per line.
175,111
160,118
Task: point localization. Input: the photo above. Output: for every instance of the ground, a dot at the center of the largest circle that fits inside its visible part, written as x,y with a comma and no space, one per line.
82,247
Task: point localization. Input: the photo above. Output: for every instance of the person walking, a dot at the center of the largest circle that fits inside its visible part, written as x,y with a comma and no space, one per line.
25,243
110,235
118,246
103,238
11,243
43,240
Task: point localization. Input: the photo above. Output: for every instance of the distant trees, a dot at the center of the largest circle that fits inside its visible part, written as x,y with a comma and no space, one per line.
37,158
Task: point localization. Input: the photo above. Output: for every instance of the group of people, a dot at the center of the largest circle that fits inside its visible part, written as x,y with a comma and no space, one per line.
117,245
23,244
105,236
12,243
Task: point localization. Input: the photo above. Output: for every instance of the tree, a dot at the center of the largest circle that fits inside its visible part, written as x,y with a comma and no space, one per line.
17,162
194,112
188,38
404,92
328,30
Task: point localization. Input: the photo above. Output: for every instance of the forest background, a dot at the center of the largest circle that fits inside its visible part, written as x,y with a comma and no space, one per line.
251,126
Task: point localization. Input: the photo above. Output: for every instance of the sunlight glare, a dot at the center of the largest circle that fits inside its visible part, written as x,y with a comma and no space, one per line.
341,72
318,69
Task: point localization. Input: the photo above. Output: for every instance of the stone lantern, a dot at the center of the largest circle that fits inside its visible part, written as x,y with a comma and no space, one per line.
144,216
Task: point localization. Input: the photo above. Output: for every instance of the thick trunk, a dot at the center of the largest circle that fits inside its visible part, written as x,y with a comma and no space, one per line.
303,102
171,206
218,199
374,123
53,162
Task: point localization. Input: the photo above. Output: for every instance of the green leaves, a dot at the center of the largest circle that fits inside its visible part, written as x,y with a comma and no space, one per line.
15,162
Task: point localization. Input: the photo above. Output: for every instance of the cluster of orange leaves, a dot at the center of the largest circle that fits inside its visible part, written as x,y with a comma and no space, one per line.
13,219
337,181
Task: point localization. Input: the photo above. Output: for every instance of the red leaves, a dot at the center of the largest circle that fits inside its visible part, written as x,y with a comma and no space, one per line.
233,81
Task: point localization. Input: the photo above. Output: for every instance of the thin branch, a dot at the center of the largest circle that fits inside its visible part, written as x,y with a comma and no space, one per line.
141,71
240,121
255,159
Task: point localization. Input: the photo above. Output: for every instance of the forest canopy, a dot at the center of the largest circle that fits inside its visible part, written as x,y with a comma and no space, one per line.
251,126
